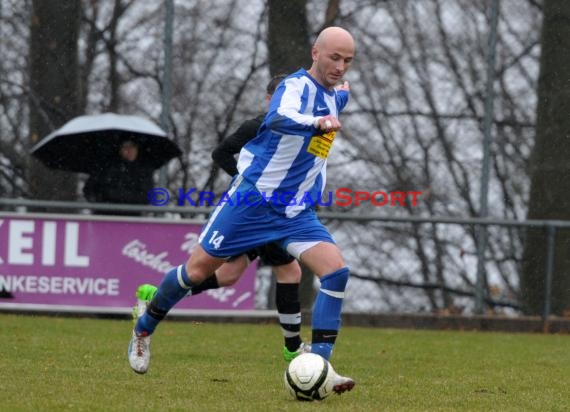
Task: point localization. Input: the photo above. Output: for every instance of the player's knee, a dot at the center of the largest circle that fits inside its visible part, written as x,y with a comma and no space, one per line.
197,277
199,270
330,266
336,263
323,258
290,273
228,274
295,270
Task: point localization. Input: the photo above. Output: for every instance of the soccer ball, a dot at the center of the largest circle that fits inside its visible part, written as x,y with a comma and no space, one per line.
309,377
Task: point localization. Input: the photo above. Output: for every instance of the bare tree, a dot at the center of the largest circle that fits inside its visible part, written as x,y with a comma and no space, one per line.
53,94
288,36
549,172
14,28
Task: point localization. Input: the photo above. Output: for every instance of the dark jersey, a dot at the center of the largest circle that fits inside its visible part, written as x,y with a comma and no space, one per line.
224,154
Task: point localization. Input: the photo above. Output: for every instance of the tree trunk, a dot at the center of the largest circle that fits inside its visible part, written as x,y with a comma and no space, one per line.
54,88
288,36
550,165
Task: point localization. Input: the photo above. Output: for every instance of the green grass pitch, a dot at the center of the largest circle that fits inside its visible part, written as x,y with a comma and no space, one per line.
80,364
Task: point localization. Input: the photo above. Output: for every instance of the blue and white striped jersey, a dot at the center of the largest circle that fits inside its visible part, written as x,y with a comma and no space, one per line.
287,159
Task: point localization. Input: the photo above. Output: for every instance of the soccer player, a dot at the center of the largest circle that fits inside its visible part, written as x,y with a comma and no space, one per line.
283,167
286,268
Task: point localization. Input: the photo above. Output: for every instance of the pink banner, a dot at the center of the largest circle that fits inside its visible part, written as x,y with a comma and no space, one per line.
98,263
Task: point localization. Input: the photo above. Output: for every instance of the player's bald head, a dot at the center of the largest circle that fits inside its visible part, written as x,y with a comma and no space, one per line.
334,37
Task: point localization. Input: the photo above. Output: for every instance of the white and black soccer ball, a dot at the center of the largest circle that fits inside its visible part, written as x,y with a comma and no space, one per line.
309,377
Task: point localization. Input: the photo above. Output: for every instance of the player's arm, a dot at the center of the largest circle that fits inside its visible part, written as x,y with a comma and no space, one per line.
285,115
224,153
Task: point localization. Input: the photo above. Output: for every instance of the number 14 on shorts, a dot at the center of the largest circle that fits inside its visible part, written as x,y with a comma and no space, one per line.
216,239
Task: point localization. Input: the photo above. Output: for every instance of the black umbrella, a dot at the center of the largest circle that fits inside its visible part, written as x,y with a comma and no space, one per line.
87,142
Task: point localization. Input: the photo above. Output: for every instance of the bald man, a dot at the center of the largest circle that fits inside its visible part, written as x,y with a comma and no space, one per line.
282,173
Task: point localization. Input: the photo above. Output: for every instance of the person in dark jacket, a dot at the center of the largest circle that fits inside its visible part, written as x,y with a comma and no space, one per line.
124,180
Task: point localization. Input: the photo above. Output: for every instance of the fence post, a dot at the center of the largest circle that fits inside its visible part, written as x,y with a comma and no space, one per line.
166,80
550,238
485,169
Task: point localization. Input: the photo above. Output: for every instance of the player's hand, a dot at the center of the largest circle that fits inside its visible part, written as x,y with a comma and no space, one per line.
329,123
345,86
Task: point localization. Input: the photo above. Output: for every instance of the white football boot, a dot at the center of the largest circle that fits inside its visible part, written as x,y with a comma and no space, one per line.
139,346
139,353
342,384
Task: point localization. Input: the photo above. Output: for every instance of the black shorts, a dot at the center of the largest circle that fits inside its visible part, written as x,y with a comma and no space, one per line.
271,254
274,255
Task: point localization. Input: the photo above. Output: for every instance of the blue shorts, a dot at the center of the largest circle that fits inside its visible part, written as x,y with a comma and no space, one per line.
244,221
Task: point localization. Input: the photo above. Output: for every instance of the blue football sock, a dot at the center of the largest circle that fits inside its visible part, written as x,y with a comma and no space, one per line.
174,286
327,311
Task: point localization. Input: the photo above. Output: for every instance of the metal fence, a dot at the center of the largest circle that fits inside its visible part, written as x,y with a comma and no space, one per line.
551,227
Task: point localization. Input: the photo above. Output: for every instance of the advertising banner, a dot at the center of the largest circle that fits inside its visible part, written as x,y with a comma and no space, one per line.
70,261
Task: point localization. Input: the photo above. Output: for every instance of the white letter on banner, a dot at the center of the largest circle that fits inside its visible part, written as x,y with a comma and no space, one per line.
17,242
71,256
1,261
48,244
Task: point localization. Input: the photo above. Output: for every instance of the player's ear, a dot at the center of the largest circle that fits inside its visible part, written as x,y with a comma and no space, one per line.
314,53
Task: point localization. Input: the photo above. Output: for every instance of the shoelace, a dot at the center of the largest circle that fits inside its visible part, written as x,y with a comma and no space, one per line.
140,346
